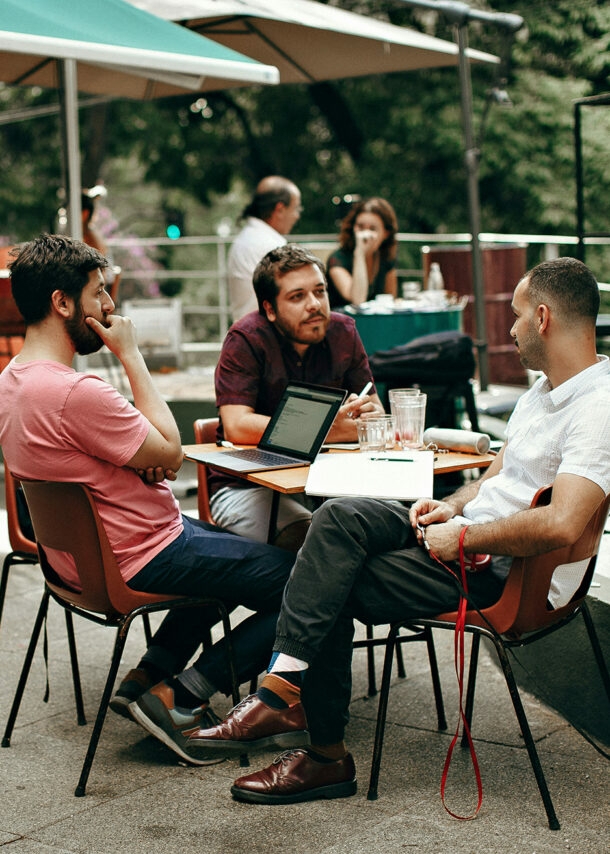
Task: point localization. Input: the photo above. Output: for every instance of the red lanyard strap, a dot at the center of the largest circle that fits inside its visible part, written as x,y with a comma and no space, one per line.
459,669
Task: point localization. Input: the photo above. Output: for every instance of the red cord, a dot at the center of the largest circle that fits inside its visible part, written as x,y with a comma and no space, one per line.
458,645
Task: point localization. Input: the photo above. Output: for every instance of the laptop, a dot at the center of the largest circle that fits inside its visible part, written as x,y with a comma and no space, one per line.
293,436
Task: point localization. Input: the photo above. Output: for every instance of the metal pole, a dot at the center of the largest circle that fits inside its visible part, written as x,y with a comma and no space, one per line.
471,157
580,204
69,105
459,14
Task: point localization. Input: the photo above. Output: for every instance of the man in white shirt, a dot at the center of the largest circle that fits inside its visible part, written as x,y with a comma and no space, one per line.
273,212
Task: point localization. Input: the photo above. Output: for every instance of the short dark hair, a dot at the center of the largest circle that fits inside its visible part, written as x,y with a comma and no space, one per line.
567,285
276,264
49,263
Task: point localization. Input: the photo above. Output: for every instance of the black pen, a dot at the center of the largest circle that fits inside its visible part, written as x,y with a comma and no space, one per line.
390,460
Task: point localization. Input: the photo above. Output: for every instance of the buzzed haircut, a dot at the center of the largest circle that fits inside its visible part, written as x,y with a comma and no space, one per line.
567,285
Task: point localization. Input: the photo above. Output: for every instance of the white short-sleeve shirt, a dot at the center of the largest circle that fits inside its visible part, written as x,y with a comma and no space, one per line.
551,431
251,244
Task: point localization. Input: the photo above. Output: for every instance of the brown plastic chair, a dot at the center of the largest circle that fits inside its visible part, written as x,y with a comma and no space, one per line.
23,548
65,518
205,431
24,552
521,616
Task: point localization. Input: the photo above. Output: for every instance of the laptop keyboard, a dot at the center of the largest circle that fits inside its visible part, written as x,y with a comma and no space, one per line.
254,455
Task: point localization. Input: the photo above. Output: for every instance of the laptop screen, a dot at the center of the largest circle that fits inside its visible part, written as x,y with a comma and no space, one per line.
302,420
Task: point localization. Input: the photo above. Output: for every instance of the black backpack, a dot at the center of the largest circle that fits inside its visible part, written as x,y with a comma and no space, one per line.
441,358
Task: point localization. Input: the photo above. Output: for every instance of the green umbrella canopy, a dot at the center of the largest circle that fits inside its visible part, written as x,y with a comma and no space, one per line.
108,47
121,50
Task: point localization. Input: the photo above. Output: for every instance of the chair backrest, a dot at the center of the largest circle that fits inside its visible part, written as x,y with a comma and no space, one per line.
18,539
523,607
11,320
205,431
65,518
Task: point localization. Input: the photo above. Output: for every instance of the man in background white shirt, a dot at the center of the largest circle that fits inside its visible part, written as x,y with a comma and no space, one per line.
274,210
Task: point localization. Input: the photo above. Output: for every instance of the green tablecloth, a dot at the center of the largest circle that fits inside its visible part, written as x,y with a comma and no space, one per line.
380,331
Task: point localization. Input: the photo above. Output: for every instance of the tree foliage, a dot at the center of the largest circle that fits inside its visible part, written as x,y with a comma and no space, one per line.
398,135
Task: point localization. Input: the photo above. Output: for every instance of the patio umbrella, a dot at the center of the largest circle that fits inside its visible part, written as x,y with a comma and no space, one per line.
108,47
309,41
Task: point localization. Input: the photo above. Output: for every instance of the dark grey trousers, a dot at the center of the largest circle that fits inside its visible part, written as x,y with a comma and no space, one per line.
360,560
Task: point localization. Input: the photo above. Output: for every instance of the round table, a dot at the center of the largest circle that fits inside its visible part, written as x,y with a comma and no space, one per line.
387,327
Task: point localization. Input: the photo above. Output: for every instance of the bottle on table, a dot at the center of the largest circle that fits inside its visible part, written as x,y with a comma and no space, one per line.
435,278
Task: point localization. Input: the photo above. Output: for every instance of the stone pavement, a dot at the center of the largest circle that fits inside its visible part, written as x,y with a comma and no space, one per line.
142,800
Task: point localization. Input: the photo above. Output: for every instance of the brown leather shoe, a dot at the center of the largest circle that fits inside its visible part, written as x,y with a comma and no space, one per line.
253,725
295,776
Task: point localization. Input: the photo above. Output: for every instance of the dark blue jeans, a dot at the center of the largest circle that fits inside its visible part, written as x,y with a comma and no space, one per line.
206,561
360,560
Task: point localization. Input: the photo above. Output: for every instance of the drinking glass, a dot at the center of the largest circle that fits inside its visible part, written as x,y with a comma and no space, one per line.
410,415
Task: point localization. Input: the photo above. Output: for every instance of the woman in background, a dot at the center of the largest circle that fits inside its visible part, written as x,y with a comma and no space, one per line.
364,264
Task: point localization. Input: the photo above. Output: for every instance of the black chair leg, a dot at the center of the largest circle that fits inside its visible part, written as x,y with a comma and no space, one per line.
382,714
471,407
78,693
370,663
400,664
436,680
226,628
12,559
25,671
119,646
6,566
472,678
527,735
147,629
597,649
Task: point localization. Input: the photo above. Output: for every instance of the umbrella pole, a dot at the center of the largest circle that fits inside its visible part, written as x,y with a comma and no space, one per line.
474,209
69,108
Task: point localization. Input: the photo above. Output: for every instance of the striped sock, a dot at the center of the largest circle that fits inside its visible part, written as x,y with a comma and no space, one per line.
277,692
281,686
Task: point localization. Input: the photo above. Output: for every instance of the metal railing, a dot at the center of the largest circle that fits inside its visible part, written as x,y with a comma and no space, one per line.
215,274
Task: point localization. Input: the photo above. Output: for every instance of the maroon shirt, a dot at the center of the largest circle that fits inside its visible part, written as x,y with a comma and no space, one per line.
257,363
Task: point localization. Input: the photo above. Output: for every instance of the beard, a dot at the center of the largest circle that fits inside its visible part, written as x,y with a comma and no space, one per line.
304,333
84,339
531,351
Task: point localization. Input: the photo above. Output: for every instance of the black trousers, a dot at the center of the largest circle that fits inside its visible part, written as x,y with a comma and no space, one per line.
360,560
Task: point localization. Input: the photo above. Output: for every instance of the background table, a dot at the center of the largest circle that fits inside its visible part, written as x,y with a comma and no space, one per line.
381,330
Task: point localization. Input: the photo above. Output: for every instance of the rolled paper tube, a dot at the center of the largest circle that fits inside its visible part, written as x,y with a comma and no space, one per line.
458,440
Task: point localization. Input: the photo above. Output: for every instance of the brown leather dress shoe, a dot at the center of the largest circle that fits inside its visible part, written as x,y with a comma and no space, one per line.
253,725
295,776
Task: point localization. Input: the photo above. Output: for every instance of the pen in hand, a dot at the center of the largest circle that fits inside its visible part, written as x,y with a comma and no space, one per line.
362,394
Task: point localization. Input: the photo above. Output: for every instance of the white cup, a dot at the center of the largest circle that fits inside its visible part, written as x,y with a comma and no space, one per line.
410,290
410,415
384,299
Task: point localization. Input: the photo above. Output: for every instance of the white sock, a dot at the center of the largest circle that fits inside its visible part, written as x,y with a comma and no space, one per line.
287,664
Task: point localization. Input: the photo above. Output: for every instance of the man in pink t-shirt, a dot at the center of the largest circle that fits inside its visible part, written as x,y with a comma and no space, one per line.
58,424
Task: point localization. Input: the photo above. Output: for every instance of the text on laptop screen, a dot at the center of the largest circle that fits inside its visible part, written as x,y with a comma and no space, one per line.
301,413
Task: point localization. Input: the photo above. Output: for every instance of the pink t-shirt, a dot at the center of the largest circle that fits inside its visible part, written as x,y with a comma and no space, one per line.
57,424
